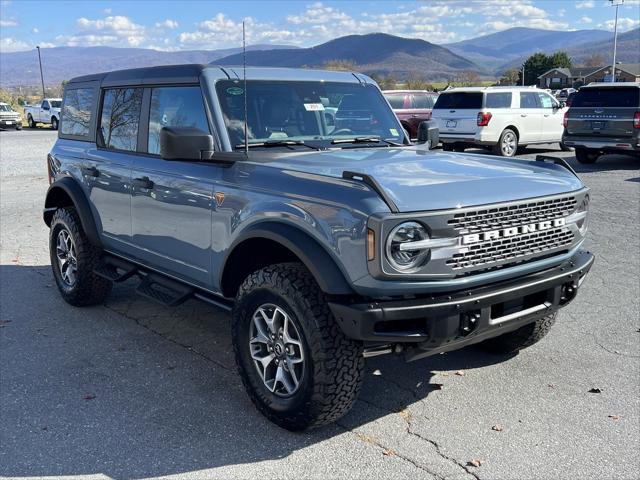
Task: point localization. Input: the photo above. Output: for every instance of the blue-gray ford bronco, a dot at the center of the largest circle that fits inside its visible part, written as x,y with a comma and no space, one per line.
295,200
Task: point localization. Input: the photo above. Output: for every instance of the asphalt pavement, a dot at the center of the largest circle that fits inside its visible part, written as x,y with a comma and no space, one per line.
131,389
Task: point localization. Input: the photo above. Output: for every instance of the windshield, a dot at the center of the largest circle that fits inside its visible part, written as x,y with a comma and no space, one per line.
5,108
311,112
56,103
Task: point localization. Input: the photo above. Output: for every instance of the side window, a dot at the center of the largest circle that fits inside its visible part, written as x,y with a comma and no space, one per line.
175,107
76,113
498,100
120,117
422,101
45,105
529,100
545,100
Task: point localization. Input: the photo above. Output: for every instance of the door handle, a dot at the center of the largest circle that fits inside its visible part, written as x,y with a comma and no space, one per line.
90,171
143,182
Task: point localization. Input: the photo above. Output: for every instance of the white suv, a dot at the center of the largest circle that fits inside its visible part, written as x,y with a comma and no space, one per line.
502,118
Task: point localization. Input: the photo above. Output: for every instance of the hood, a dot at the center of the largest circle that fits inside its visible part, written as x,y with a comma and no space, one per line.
419,180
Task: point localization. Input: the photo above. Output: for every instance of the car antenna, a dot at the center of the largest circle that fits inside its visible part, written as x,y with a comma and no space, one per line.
244,79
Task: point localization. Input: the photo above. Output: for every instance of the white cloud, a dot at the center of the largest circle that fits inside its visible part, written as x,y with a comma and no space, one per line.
35,30
111,29
585,4
9,44
168,23
585,20
8,23
624,24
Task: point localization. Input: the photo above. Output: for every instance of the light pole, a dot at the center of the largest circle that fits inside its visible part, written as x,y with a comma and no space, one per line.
41,75
615,3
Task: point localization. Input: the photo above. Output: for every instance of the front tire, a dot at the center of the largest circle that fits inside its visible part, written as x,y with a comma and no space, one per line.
521,338
73,259
281,315
507,145
586,156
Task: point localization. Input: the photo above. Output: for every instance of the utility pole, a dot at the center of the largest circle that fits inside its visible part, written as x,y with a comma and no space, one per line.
615,3
41,75
523,74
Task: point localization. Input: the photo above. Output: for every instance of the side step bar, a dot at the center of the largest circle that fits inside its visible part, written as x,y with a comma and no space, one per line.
155,286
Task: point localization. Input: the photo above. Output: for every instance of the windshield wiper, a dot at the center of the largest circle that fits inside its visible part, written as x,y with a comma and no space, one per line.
278,143
365,140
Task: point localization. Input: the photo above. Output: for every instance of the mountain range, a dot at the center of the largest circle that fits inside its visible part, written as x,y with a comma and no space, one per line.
379,53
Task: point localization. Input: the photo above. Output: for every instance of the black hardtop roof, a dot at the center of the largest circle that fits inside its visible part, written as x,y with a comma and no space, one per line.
147,75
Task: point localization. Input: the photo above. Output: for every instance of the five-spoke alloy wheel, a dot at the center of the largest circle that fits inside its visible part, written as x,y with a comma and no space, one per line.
66,254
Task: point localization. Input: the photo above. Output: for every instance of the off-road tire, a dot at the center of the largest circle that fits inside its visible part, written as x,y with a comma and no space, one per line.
89,288
30,122
523,337
500,149
334,364
54,123
586,156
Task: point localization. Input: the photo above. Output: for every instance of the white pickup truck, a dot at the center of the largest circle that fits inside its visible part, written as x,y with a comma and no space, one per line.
47,112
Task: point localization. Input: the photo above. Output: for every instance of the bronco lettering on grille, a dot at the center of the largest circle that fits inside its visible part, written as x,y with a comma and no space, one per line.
513,231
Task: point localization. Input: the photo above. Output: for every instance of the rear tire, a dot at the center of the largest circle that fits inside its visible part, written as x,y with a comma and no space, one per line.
73,259
30,121
521,338
329,366
586,156
447,147
507,145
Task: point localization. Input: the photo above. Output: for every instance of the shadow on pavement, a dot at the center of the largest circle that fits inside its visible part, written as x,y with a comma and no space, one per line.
151,391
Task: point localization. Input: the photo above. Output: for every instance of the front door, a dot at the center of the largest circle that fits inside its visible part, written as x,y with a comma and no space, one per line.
530,121
172,201
552,116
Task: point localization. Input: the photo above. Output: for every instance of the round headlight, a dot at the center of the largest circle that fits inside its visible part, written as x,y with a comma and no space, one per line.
406,258
583,222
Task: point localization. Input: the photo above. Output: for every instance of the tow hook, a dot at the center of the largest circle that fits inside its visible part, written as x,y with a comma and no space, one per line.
568,293
469,322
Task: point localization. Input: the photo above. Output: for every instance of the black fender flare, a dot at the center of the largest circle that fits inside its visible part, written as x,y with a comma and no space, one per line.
315,257
79,200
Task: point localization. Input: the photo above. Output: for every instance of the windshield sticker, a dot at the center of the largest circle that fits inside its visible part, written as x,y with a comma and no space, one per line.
313,107
393,132
235,91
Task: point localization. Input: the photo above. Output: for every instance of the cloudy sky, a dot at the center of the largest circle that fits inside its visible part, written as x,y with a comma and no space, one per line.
191,25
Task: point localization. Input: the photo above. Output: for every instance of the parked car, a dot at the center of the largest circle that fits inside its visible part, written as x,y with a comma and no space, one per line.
9,118
502,118
604,118
48,112
564,93
328,243
412,107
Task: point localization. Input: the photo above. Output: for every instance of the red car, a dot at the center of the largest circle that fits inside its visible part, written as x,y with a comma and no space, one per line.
411,107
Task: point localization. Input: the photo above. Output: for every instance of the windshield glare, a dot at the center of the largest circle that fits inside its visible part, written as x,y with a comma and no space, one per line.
5,108
313,112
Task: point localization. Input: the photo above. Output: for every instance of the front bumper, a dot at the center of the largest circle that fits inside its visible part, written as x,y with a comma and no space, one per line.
629,144
10,123
450,321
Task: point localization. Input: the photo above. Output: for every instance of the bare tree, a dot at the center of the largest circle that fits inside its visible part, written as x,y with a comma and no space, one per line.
340,65
594,60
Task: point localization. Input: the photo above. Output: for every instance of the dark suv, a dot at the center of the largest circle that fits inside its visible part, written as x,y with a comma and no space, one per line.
604,118
294,200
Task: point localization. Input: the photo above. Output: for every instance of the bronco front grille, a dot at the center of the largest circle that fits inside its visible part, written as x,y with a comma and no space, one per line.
524,213
512,248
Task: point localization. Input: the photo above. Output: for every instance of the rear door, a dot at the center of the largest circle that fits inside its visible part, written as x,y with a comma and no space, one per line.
172,201
530,118
604,111
457,113
421,107
107,170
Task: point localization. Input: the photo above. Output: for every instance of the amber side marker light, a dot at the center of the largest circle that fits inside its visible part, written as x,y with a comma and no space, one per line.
371,245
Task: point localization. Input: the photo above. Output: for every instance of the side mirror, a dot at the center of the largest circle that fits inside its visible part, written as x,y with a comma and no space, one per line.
429,134
185,143
562,104
46,107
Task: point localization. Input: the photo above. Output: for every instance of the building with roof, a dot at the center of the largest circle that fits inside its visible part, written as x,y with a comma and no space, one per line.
625,72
